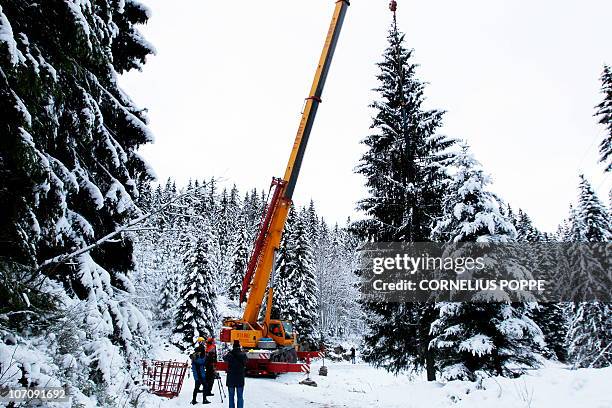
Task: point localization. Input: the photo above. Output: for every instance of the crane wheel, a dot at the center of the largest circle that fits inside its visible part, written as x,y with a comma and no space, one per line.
292,355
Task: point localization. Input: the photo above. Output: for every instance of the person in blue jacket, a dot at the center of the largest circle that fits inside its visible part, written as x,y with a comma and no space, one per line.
198,368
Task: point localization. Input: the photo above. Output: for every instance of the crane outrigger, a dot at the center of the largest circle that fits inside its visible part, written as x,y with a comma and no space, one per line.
272,343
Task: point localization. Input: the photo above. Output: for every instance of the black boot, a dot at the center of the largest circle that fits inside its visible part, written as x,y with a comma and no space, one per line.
193,402
205,401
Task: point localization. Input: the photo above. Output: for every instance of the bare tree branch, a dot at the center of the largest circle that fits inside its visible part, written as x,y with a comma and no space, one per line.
57,260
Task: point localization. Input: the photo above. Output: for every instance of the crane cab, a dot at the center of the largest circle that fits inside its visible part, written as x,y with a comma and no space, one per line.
250,335
281,332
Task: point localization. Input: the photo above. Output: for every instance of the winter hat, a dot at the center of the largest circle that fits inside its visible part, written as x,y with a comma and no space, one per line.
236,344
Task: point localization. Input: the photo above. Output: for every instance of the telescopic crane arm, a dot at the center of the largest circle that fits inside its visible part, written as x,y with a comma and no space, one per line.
314,99
261,263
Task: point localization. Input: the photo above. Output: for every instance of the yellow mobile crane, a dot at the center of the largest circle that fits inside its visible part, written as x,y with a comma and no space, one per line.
272,343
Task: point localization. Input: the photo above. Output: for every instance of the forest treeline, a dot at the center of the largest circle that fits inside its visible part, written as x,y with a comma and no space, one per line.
198,251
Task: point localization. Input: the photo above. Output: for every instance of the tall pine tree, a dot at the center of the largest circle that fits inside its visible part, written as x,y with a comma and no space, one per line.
593,217
590,335
240,259
296,286
283,268
590,331
552,319
168,300
405,170
196,314
302,305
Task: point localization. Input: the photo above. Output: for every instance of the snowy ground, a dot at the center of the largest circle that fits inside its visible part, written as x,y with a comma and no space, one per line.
362,386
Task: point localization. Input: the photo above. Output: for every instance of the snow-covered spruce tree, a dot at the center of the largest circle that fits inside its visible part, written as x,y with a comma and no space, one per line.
168,302
150,252
301,305
604,111
207,205
479,338
145,196
572,227
593,217
232,211
552,319
312,223
587,276
590,331
210,201
333,270
525,230
563,230
526,233
590,335
283,268
405,171
240,258
351,261
158,243
327,264
338,296
323,266
471,213
254,207
251,207
69,165
295,295
196,314
224,219
536,248
228,216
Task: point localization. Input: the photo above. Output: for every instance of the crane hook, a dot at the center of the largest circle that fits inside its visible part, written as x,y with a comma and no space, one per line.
393,6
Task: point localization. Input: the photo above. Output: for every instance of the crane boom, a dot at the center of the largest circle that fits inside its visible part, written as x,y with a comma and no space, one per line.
314,99
261,263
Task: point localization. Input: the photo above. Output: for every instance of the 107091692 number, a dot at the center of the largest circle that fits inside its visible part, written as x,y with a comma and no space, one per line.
22,394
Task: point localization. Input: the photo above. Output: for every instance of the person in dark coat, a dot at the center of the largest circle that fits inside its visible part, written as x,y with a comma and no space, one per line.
353,355
211,360
236,367
198,362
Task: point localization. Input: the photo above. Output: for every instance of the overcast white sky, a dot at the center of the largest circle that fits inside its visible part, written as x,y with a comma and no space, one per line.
519,79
